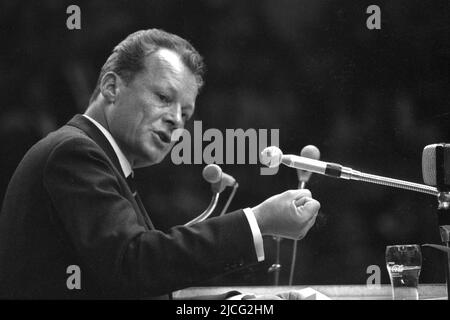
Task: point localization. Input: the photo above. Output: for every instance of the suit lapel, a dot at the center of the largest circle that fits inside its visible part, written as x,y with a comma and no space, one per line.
95,134
144,212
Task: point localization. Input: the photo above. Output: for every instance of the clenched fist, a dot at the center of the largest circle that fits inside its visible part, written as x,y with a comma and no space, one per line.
288,215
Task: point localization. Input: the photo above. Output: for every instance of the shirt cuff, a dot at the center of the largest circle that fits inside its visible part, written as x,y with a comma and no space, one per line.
257,237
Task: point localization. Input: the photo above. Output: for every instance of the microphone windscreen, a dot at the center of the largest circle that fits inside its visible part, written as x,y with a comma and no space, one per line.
271,156
311,152
212,173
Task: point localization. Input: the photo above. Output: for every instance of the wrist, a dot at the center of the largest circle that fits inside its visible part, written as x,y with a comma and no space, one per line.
260,219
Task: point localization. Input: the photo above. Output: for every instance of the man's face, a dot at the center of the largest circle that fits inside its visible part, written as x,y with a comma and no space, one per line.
158,100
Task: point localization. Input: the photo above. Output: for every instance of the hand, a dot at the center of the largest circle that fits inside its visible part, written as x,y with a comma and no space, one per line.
289,214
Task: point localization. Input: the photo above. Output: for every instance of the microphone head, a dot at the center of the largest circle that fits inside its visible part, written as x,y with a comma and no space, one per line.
212,173
311,152
436,165
271,156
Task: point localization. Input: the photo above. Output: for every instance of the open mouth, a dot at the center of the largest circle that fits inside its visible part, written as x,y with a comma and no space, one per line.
163,136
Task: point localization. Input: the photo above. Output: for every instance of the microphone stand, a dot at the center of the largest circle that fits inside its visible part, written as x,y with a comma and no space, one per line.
276,267
212,205
443,213
294,248
217,188
225,208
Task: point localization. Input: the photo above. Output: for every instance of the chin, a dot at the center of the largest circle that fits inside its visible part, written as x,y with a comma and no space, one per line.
150,158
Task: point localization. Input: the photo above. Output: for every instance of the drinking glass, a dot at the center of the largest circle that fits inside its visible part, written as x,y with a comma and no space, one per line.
404,263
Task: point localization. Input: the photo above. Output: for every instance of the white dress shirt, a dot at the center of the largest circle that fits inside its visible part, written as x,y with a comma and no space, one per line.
127,170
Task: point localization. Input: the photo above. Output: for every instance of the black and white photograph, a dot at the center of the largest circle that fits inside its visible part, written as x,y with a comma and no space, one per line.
225,150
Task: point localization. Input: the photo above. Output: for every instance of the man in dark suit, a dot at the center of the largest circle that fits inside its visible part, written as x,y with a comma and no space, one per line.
71,203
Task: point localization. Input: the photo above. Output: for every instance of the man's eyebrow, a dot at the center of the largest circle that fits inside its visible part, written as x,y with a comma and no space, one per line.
190,106
166,85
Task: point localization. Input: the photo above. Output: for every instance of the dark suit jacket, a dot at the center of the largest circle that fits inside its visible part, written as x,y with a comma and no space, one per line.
68,203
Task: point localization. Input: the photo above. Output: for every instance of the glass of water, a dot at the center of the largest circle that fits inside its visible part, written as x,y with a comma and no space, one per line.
404,263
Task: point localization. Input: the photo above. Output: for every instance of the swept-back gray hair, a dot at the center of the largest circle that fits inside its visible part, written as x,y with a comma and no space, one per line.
127,58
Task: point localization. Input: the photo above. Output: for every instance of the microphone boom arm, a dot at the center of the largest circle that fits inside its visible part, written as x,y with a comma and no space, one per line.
212,205
338,171
233,192
395,183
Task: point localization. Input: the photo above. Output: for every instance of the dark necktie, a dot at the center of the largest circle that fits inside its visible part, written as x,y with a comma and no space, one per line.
132,185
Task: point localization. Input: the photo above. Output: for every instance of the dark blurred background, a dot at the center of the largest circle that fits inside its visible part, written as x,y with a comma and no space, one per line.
368,99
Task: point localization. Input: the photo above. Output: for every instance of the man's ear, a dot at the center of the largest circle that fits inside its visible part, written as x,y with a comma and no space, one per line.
110,86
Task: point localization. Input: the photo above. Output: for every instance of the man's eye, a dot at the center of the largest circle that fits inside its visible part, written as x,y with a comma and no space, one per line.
163,97
186,116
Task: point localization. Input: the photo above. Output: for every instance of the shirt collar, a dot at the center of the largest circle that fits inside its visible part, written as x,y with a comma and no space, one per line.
124,163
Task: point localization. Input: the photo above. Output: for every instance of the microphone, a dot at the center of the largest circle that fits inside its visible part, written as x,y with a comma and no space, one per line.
310,152
273,157
436,172
436,166
219,180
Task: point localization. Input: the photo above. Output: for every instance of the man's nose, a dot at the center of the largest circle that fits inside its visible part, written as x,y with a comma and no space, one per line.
174,116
